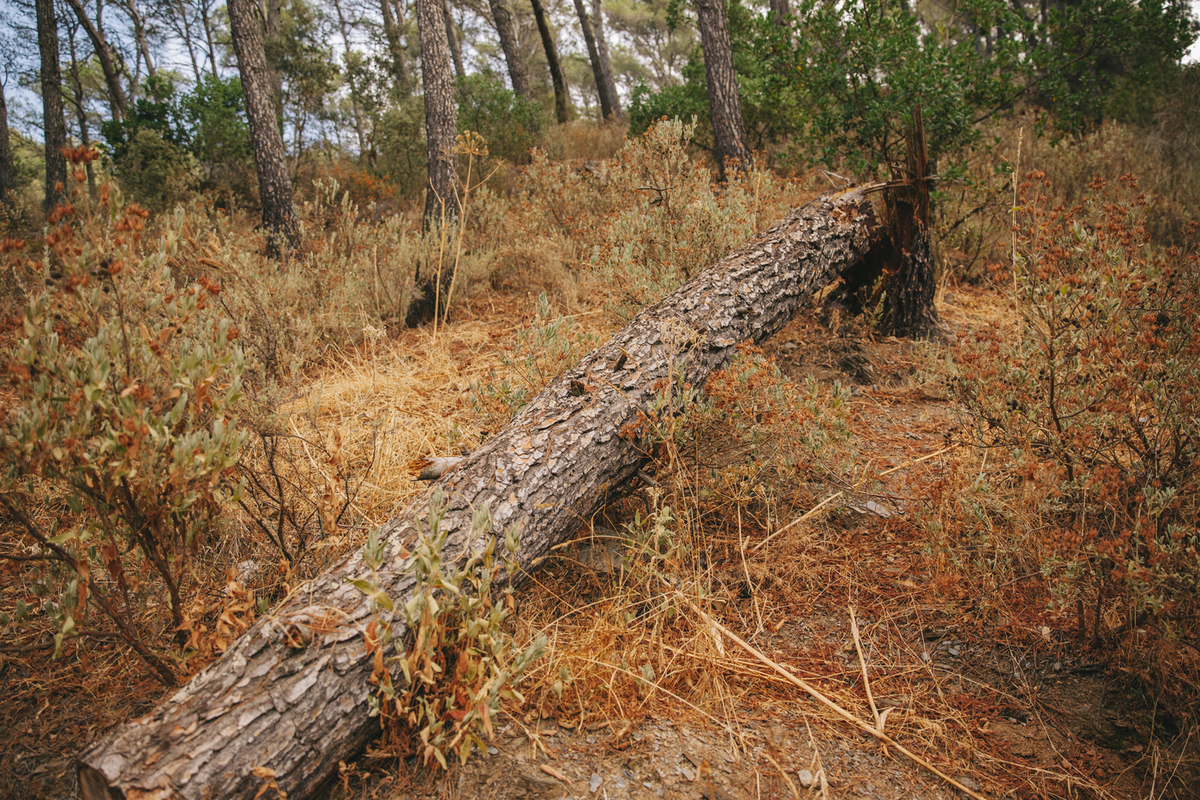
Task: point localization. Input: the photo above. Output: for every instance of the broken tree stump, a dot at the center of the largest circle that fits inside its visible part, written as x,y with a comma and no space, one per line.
288,700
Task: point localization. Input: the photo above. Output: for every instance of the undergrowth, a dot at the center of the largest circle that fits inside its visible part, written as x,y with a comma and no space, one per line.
1085,409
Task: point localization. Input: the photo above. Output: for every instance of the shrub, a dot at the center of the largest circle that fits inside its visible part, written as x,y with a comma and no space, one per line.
157,173
510,124
1088,406
458,664
121,448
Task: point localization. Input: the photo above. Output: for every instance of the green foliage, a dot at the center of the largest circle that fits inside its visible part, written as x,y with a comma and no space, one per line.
213,114
305,62
860,69
510,124
157,173
459,664
1104,58
1089,405
399,137
125,423
155,111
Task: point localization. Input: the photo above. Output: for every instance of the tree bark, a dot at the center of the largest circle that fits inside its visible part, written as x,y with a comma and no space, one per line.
391,31
899,278
589,39
274,183
452,40
605,61
561,103
512,53
8,174
780,11
290,695
729,132
441,126
52,104
104,54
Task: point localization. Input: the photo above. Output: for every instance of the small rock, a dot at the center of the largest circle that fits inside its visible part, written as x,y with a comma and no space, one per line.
594,783
878,510
688,775
967,782
493,751
806,778
955,651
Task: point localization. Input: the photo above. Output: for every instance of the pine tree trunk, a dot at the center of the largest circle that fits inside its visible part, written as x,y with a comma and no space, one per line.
274,183
561,102
289,697
605,61
589,39
729,132
452,40
898,278
52,104
441,127
8,175
512,53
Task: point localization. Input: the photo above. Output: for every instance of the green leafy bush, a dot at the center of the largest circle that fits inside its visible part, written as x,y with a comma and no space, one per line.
157,173
510,124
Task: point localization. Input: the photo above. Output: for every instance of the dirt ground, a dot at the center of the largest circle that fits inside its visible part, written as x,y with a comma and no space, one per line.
1003,699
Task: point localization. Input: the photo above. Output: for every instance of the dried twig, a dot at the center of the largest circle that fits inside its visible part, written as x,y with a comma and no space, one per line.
825,701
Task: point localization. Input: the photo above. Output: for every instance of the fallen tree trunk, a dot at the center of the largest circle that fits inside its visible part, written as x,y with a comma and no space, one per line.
288,701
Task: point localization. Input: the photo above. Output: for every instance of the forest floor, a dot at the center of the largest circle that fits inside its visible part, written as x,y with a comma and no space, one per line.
997,693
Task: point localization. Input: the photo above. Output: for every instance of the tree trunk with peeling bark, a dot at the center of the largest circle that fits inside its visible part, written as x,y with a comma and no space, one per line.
289,698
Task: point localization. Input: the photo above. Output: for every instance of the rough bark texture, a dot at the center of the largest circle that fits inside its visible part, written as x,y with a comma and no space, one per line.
440,126
441,190
512,53
52,104
8,178
290,695
391,30
729,132
605,61
589,39
898,275
274,183
452,40
562,110
112,78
